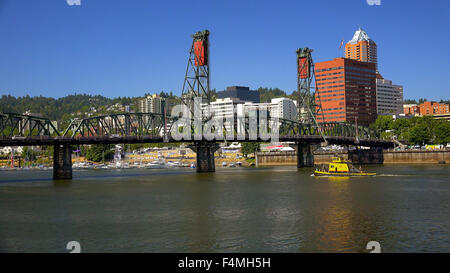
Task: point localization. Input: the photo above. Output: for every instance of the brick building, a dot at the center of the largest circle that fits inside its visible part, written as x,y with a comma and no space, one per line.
427,108
347,91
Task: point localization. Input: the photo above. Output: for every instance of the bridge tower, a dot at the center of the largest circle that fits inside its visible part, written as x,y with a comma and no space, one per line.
196,80
309,105
196,85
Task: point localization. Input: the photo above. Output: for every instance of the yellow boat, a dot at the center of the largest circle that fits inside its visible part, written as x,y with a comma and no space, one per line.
340,167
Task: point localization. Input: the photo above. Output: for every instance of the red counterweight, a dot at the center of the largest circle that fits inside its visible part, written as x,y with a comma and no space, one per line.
200,51
303,68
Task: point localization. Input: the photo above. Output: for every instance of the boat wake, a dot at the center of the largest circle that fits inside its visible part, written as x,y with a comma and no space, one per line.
394,175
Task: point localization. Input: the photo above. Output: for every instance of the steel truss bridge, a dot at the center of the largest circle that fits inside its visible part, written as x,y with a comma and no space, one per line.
24,130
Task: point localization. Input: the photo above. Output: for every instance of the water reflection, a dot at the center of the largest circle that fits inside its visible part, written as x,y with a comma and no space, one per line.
246,210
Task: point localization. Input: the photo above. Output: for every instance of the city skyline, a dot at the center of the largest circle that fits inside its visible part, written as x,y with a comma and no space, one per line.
95,48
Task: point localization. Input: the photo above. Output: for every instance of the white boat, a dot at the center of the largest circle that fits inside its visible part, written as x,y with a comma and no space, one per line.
173,164
154,165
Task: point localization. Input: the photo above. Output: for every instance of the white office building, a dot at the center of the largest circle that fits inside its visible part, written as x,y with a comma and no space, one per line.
225,107
282,108
389,97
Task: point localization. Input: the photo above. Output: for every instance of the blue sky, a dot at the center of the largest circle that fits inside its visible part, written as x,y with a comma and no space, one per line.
127,48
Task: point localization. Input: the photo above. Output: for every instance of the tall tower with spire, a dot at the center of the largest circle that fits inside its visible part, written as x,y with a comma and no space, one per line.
362,48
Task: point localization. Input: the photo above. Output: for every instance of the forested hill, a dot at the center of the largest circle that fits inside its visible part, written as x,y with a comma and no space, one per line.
56,109
78,105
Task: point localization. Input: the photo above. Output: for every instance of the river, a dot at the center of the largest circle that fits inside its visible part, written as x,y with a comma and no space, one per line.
406,208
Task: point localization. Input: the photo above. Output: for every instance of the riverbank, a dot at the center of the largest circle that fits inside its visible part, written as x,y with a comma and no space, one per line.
170,157
359,157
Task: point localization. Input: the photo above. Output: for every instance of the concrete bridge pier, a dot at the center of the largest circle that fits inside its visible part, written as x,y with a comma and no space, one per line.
62,161
305,157
205,155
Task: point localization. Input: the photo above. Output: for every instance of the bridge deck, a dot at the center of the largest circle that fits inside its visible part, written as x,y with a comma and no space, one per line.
45,140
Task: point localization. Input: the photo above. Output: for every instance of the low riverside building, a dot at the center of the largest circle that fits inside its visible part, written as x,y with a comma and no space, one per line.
428,108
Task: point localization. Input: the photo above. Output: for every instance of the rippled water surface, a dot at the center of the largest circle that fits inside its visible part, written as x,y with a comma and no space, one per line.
281,209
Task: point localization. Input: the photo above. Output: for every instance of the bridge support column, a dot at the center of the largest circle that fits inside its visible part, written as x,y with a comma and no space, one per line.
305,157
205,155
62,161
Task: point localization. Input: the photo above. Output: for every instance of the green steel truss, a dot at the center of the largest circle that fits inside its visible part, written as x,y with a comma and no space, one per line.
17,125
124,125
309,103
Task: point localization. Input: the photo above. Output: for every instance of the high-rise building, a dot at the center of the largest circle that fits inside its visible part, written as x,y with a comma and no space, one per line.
346,89
389,97
362,48
152,104
239,92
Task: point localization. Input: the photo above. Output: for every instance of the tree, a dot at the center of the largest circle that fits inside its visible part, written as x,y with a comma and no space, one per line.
442,132
267,94
249,148
420,134
410,101
28,154
401,128
383,123
97,152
